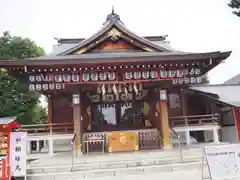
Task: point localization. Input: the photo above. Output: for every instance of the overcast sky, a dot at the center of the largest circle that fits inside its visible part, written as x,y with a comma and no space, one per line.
191,25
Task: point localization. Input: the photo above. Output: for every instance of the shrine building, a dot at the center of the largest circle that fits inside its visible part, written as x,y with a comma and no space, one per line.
124,92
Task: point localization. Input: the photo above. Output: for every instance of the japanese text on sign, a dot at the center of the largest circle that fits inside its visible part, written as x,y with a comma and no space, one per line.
18,153
223,161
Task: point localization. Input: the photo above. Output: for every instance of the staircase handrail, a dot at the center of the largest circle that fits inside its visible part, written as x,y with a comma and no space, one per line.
179,144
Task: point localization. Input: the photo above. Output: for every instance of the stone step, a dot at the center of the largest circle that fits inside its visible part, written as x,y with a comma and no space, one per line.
114,164
66,158
120,172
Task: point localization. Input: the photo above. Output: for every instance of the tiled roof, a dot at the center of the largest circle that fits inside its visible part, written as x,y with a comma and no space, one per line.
7,120
233,80
228,94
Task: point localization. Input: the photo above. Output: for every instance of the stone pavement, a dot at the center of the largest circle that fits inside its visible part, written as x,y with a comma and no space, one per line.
178,175
66,158
195,174
149,164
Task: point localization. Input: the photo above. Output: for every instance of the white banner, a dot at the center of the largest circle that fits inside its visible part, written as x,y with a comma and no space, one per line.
223,161
18,146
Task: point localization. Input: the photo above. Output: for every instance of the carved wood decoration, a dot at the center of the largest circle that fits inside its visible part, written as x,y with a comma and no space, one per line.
114,41
113,46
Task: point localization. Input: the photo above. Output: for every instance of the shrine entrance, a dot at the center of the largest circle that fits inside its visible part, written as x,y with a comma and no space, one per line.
118,115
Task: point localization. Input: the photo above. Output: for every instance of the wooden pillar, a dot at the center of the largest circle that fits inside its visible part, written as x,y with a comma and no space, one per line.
237,120
50,112
185,113
165,128
77,119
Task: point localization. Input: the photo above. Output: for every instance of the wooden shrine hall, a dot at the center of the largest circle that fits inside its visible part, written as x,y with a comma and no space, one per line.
120,91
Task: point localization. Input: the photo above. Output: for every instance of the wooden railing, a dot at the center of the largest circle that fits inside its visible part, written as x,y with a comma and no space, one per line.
58,128
194,120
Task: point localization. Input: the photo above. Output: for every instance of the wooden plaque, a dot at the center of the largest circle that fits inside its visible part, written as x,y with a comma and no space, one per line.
122,141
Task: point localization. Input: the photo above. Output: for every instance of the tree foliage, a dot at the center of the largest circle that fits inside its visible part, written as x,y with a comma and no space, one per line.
235,4
15,98
205,79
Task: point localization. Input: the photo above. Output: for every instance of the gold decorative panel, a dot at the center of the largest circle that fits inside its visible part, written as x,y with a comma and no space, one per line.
122,141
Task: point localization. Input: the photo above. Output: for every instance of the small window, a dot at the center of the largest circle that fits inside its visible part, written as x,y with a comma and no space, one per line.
227,118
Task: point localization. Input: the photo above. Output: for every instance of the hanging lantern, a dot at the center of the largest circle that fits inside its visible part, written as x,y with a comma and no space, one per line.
111,76
103,76
163,95
31,78
153,74
32,87
51,86
45,87
58,78
163,74
75,77
75,99
137,75
145,74
197,71
135,88
128,75
85,77
49,77
103,89
38,78
94,76
66,78
58,86
38,87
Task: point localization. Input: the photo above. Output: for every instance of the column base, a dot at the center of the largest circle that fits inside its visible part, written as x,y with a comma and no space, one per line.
168,147
215,136
188,137
50,147
78,150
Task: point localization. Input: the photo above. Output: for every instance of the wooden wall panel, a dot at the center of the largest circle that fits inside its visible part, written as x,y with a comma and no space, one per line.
111,46
196,105
62,109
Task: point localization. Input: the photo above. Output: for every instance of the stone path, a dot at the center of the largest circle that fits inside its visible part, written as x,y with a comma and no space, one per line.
195,174
66,158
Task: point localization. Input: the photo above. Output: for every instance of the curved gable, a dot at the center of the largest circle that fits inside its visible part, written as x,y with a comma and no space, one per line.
114,37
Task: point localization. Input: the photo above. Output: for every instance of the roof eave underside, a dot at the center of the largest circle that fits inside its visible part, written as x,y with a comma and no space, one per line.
106,27
112,58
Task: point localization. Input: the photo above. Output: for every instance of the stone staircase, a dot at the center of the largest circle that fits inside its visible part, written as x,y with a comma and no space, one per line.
116,165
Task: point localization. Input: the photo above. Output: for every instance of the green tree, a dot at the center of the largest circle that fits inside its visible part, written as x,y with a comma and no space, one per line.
205,79
235,4
15,98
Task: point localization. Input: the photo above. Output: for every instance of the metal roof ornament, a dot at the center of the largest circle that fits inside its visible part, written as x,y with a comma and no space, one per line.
113,16
113,10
